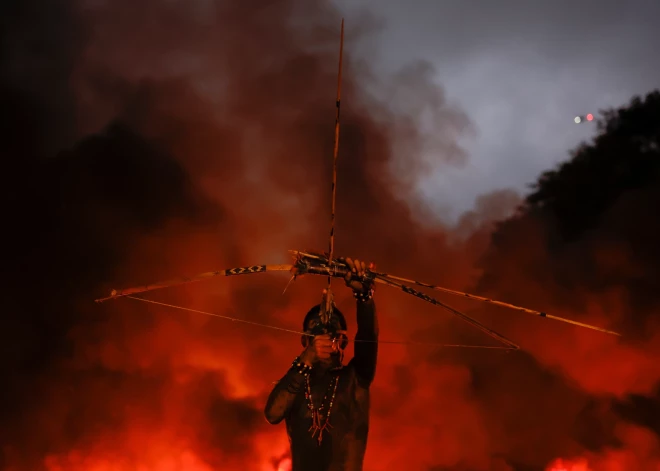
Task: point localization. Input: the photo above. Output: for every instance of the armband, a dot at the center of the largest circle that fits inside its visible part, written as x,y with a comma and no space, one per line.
300,367
364,296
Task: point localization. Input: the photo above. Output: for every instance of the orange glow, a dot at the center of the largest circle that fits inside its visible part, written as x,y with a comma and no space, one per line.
284,465
565,465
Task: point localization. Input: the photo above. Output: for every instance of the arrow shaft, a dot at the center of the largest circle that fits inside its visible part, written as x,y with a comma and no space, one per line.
327,297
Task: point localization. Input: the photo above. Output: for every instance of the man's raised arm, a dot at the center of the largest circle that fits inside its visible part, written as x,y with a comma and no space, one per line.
366,342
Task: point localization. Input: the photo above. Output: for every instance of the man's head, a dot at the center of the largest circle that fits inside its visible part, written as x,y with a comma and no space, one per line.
336,328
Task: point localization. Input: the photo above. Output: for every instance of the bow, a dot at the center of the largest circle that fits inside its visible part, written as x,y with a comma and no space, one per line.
326,264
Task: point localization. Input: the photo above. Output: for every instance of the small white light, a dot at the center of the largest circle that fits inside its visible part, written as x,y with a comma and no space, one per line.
577,120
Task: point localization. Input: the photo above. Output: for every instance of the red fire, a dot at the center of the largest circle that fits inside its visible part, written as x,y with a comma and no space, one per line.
569,465
284,465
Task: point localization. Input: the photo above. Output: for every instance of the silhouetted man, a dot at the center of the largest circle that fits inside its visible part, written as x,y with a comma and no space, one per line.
325,404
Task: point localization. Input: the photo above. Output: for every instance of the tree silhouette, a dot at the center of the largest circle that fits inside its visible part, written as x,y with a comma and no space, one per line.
623,157
601,204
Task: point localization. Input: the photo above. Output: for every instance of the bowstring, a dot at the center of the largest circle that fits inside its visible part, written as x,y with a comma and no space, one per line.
298,332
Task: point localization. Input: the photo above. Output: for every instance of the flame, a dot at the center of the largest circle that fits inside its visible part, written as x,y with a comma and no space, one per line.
569,465
284,465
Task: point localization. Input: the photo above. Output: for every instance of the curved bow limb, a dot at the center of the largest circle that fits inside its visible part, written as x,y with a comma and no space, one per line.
385,276
464,317
305,263
202,276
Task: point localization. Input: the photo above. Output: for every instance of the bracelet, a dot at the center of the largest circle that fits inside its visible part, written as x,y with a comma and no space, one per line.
364,296
300,367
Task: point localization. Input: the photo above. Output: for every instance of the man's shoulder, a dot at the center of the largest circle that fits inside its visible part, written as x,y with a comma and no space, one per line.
353,373
347,371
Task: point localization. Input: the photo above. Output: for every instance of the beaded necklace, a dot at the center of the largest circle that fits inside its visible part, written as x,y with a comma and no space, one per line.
319,425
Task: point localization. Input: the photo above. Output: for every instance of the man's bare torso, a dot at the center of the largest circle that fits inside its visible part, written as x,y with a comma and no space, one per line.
343,445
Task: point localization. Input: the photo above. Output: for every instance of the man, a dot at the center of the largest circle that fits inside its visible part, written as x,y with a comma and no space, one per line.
325,404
